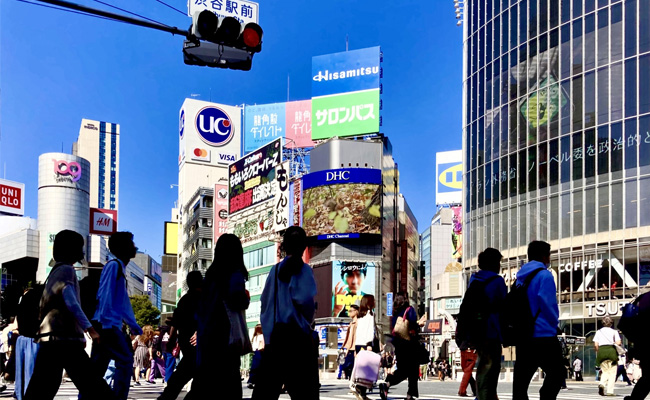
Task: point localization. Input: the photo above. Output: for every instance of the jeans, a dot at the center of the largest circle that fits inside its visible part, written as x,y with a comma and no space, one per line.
52,358
578,376
184,373
26,350
620,371
255,367
488,370
109,375
114,346
544,352
467,363
170,365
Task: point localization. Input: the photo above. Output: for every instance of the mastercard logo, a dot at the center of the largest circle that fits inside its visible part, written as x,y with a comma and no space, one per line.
200,152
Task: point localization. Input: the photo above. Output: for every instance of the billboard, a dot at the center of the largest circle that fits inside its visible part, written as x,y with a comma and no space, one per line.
267,122
12,197
449,177
345,93
342,203
250,178
220,211
350,281
209,133
243,11
103,222
171,238
457,232
281,198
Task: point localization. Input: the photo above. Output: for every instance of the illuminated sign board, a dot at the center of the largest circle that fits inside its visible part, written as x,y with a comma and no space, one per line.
12,197
103,222
449,177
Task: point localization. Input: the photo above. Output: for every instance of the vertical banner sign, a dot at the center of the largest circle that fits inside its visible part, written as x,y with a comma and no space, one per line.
298,124
389,304
263,124
281,197
220,211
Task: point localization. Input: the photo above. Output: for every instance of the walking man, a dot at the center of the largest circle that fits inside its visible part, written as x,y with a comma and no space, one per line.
543,349
114,309
577,368
61,334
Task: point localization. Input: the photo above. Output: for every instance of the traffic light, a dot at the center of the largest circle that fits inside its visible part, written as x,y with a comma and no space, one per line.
221,42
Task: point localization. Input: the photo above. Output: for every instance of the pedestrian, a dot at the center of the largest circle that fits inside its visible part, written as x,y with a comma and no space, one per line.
61,332
605,342
441,370
365,334
183,327
257,343
113,310
489,339
543,349
141,347
26,348
155,354
386,362
224,286
350,340
577,368
166,348
405,349
288,306
622,369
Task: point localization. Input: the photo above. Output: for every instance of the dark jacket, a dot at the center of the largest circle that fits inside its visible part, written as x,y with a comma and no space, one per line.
496,292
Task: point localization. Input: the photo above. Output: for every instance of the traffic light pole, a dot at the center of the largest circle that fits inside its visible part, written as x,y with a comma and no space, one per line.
133,21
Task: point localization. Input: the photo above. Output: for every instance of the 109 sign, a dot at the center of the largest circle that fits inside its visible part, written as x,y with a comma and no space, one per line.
214,126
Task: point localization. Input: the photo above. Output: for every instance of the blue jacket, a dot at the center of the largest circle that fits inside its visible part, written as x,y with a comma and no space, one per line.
496,292
113,303
542,297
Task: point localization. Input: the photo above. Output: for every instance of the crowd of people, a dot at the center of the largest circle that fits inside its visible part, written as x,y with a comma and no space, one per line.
52,326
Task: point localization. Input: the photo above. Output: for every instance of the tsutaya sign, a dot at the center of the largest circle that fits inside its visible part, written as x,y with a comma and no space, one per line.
602,308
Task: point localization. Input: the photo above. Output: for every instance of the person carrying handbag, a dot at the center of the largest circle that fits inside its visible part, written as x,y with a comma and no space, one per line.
291,349
606,341
404,326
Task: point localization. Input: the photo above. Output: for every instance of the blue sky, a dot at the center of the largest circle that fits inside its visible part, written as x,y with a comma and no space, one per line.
58,67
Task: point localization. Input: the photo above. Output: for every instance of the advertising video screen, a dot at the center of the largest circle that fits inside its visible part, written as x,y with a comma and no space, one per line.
342,203
351,280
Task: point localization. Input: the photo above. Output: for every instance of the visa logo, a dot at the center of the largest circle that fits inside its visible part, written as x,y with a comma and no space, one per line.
226,158
452,177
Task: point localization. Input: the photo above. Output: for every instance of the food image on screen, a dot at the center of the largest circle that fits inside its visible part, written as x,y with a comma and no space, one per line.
342,208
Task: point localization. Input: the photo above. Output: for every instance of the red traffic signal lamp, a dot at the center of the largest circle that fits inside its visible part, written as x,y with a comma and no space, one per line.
227,31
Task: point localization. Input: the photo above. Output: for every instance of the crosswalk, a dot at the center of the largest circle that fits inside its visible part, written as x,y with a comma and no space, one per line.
68,391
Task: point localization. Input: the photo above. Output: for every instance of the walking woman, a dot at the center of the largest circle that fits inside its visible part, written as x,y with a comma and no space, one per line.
605,342
406,351
224,285
288,306
258,346
365,334
141,345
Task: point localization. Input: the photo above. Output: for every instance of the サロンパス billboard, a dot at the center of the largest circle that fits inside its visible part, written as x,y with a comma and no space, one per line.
449,177
342,203
345,93
351,280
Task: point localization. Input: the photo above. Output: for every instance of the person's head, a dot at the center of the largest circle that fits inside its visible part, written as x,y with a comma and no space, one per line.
367,305
401,300
258,330
353,312
607,321
68,247
147,334
228,258
490,260
294,241
169,321
354,273
122,246
539,251
194,280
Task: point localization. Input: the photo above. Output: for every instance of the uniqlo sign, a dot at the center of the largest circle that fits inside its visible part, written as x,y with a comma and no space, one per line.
103,222
12,197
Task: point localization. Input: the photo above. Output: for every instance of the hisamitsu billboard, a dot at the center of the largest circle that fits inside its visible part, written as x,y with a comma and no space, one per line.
348,71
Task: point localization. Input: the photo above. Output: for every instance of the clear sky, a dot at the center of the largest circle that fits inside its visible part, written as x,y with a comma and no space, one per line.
57,68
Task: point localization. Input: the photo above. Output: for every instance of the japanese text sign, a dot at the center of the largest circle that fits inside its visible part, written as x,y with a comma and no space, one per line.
281,199
298,124
350,114
250,178
220,210
433,327
263,124
243,11
103,222
12,197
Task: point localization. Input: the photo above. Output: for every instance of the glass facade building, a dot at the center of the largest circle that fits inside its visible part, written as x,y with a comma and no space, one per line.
556,139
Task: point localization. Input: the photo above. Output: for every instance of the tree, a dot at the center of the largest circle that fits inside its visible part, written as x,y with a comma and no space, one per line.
145,312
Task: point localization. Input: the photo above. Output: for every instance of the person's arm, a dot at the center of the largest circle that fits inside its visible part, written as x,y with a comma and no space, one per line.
547,296
71,302
106,292
237,298
617,338
127,310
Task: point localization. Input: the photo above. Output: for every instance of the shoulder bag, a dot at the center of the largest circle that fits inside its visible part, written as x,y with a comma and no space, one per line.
239,341
402,329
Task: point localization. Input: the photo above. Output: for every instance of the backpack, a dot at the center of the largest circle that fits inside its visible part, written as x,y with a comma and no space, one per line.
472,323
633,322
518,323
29,310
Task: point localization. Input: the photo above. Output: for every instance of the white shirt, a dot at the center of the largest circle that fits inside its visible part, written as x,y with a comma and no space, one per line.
606,336
365,330
258,342
577,365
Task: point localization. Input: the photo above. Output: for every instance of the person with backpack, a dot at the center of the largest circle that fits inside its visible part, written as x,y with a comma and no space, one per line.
479,328
112,310
288,307
26,348
406,349
61,332
532,322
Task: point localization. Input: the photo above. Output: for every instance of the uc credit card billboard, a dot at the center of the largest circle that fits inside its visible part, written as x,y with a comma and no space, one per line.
449,177
342,203
345,93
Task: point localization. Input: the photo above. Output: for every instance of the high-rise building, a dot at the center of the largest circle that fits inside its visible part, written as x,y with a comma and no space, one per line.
99,143
556,138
